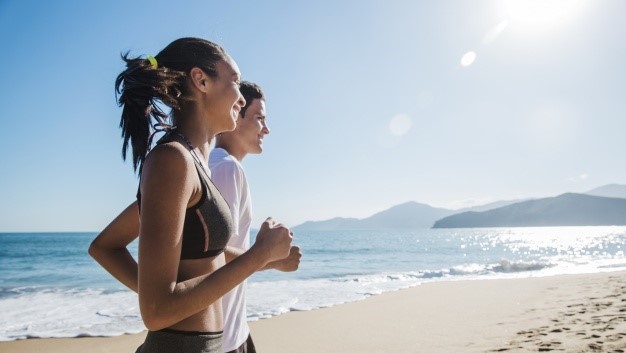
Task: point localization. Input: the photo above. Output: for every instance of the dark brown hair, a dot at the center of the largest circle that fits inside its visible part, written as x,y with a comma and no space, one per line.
141,87
250,91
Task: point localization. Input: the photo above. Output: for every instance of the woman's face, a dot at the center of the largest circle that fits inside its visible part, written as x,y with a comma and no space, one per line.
224,99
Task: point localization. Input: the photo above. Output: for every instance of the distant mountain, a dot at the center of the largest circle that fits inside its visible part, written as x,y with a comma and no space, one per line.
488,206
611,190
564,210
409,215
337,223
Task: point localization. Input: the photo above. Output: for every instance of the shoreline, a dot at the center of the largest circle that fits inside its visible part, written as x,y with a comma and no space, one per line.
582,312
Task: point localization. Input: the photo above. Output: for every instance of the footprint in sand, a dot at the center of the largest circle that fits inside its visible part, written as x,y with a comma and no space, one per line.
595,346
613,338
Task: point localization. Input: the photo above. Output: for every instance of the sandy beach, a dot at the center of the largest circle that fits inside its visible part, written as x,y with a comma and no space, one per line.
567,313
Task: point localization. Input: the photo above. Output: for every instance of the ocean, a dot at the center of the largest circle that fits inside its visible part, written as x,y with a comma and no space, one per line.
50,287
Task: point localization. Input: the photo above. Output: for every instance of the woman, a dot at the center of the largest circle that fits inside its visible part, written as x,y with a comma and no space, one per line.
184,221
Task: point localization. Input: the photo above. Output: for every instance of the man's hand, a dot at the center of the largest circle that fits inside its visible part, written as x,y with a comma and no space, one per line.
288,264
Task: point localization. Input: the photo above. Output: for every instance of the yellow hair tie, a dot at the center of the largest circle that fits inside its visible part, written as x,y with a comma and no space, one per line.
153,62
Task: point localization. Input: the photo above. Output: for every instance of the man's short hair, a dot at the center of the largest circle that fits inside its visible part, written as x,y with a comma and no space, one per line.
250,92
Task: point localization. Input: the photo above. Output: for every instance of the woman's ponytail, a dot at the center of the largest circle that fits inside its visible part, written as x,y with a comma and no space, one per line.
139,88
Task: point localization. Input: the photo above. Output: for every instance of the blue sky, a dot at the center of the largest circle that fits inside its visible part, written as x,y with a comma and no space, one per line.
370,103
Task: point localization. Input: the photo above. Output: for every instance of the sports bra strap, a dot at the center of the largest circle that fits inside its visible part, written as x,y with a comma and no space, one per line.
195,156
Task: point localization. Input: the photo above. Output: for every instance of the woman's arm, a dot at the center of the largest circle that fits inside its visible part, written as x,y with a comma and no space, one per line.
169,182
288,264
109,248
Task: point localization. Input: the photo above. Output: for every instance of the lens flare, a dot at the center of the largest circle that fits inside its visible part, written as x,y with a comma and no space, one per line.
468,58
400,124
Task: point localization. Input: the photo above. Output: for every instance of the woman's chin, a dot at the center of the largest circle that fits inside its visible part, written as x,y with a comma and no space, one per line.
233,125
228,125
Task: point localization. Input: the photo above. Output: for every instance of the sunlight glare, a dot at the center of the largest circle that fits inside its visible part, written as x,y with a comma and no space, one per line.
495,32
537,15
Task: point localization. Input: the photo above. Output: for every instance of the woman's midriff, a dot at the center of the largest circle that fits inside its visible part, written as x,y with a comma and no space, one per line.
211,318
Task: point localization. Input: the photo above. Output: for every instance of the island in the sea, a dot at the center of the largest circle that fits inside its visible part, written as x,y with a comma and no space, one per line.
564,210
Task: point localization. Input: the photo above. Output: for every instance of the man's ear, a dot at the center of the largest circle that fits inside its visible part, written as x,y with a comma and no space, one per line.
200,79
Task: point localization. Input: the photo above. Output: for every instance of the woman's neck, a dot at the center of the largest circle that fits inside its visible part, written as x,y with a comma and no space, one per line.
200,138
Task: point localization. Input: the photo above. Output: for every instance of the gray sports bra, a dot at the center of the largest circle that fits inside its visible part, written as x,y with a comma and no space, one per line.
208,224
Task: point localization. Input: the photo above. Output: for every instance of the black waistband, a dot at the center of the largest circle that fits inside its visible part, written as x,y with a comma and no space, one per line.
190,333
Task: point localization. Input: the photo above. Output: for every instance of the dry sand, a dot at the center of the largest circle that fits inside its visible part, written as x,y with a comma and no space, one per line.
568,313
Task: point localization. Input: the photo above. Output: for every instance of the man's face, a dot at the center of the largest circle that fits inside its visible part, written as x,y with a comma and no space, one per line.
252,127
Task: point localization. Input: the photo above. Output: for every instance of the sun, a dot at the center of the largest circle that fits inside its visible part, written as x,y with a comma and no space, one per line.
539,15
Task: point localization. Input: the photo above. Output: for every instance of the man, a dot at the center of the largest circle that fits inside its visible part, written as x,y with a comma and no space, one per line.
228,175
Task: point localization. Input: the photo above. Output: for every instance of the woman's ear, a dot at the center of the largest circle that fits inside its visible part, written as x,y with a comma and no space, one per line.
200,79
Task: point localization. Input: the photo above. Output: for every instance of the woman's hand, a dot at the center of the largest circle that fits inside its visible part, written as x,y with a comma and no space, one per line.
273,242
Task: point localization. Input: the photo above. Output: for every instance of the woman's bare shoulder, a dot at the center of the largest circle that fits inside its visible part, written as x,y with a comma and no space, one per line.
168,164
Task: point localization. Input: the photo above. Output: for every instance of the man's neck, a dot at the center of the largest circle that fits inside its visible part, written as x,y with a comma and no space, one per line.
235,152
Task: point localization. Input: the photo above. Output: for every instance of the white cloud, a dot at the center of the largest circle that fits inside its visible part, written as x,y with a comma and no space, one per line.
578,178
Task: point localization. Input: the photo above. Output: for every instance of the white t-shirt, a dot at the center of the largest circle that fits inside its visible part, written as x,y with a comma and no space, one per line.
227,174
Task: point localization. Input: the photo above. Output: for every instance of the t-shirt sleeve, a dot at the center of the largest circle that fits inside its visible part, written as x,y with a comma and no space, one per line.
229,179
